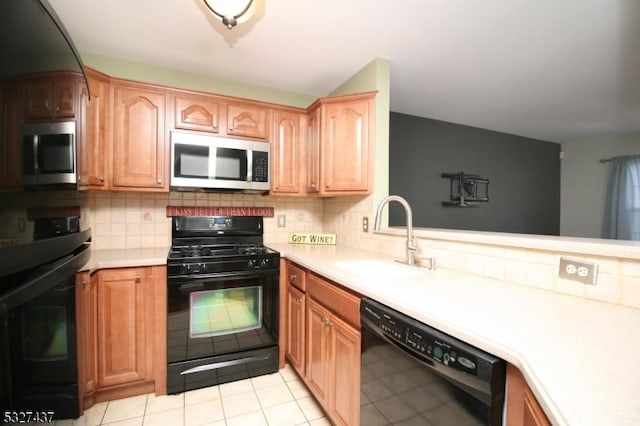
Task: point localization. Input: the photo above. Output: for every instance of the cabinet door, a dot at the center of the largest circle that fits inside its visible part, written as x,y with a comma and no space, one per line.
313,152
52,96
522,407
295,328
11,118
92,139
40,99
121,326
345,377
87,322
345,145
285,153
247,120
318,366
139,139
64,96
193,112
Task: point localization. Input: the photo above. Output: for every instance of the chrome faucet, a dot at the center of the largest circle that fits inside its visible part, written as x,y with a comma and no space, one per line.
412,246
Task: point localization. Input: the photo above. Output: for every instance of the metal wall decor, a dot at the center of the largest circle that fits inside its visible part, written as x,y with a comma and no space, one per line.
466,190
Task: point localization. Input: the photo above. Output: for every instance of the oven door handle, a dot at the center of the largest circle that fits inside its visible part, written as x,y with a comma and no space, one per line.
197,280
222,364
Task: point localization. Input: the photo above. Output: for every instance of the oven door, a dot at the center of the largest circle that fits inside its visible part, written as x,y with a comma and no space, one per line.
221,328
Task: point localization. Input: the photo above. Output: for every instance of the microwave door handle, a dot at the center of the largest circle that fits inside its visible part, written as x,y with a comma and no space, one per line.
212,161
249,165
72,154
36,143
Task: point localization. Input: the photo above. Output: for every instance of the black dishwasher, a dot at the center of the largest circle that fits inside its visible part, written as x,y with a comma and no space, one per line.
413,374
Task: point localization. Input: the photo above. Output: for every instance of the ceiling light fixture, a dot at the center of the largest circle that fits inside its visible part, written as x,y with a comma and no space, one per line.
232,12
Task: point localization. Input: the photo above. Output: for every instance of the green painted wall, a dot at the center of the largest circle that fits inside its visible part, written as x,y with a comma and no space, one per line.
164,76
376,75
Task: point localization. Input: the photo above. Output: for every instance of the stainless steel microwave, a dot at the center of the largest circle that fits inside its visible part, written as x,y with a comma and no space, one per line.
49,154
202,162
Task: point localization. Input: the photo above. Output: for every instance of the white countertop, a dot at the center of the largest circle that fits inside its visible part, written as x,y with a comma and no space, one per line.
580,357
125,258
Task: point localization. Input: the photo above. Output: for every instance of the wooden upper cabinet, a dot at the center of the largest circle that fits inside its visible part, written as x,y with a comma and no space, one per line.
247,120
92,119
286,151
312,154
11,119
339,144
139,142
346,146
52,96
196,112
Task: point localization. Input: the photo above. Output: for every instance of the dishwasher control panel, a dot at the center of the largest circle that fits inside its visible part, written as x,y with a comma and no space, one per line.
427,343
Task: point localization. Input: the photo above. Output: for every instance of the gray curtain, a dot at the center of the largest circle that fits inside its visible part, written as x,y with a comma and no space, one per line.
622,206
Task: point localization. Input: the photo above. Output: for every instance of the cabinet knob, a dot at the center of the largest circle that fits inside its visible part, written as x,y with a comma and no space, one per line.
298,299
326,321
326,186
231,129
101,178
292,278
313,185
215,126
138,279
85,283
159,181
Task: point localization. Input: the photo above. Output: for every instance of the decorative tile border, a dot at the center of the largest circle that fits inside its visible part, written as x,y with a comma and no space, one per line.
219,211
40,213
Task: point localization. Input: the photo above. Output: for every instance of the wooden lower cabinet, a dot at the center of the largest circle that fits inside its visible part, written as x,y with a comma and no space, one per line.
122,333
294,345
329,333
522,407
333,364
122,313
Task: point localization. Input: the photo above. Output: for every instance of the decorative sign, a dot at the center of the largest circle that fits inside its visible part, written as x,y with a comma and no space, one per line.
219,211
312,238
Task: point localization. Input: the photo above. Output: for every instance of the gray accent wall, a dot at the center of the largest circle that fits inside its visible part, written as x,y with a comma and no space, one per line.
524,175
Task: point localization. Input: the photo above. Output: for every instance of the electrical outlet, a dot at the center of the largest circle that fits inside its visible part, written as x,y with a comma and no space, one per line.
574,270
282,221
365,224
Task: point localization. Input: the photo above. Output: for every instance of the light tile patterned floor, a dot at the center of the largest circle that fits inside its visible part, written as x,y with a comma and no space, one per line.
279,399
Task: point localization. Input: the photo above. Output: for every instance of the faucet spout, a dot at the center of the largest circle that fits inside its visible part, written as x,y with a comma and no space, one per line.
412,246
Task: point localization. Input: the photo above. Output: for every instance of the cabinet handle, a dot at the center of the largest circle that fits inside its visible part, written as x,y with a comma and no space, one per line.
292,278
138,279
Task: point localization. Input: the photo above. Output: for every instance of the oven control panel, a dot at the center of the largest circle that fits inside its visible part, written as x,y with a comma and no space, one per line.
220,222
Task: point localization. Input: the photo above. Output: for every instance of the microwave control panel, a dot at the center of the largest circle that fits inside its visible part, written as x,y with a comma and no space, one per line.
260,166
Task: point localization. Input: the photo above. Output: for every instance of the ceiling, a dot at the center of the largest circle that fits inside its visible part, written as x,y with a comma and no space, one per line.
548,69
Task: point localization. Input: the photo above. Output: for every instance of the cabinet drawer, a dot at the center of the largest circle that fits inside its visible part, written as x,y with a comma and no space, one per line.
297,277
341,302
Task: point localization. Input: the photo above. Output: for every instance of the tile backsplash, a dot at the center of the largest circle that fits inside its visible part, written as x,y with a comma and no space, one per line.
139,220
